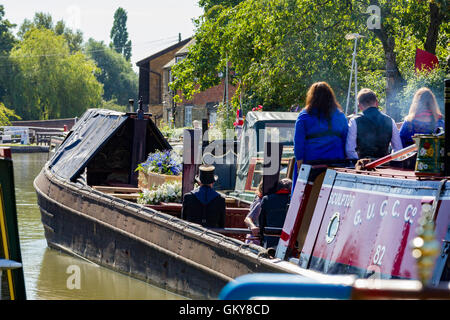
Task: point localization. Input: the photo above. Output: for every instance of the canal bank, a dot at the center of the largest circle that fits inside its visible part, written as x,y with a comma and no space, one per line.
26,148
49,274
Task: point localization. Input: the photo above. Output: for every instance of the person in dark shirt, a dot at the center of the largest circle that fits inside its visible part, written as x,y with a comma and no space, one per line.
204,205
371,132
252,218
274,208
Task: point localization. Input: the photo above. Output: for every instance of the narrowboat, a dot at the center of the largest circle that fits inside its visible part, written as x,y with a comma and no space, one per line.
341,220
81,217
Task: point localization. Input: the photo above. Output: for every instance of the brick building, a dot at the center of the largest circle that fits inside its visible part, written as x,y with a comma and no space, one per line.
154,78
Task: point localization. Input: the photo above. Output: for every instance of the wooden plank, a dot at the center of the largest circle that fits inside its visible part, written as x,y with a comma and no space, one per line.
108,189
138,151
126,196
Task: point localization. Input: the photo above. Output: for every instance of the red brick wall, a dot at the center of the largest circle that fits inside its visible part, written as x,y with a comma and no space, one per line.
214,94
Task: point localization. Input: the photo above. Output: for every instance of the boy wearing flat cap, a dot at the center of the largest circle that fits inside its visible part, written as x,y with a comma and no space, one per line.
204,205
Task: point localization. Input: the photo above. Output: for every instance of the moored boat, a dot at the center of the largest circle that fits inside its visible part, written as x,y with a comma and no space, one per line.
81,219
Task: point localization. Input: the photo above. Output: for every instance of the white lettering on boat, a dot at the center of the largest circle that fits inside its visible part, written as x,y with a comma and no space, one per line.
369,210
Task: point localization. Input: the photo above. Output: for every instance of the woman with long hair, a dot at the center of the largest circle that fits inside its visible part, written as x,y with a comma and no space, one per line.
321,128
424,116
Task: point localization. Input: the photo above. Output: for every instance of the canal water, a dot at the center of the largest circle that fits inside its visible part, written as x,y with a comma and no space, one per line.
47,272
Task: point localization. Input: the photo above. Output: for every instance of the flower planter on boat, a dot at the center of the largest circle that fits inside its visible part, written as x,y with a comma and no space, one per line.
148,180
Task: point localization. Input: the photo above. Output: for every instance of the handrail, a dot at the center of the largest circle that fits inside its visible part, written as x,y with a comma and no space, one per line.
269,231
390,157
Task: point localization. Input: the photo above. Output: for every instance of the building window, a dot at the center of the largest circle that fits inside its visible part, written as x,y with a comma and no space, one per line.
188,116
179,58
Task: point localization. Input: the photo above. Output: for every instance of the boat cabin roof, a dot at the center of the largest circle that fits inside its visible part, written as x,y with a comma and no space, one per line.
254,117
105,133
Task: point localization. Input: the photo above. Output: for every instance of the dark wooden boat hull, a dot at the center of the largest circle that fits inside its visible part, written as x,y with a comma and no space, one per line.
141,242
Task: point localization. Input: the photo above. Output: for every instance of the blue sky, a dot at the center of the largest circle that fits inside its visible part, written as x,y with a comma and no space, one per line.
152,25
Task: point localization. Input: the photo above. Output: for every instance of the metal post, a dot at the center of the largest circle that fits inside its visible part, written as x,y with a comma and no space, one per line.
131,102
447,125
139,152
350,81
226,89
205,137
356,78
353,36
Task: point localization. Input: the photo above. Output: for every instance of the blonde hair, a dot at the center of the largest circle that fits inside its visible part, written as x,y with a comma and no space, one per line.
423,100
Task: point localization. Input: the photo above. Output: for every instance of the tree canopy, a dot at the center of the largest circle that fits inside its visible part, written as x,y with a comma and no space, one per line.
278,48
43,20
119,80
119,34
47,81
47,71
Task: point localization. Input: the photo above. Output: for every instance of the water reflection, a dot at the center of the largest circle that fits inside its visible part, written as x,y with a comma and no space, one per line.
57,278
45,269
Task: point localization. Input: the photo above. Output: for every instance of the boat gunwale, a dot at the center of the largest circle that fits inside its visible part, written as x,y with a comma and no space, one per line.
250,251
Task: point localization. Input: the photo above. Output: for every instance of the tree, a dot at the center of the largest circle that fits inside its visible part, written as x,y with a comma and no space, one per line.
40,20
7,41
119,80
74,38
6,114
45,21
119,34
48,82
403,24
279,48
208,4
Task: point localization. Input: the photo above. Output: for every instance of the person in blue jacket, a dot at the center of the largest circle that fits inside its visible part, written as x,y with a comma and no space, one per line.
320,130
424,117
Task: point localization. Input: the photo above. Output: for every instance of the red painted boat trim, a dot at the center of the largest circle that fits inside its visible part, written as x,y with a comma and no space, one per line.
378,218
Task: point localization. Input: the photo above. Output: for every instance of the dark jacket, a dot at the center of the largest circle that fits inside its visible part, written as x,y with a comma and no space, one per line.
204,206
374,133
274,208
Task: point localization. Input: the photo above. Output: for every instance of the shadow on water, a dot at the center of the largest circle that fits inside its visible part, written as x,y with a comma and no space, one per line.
49,273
